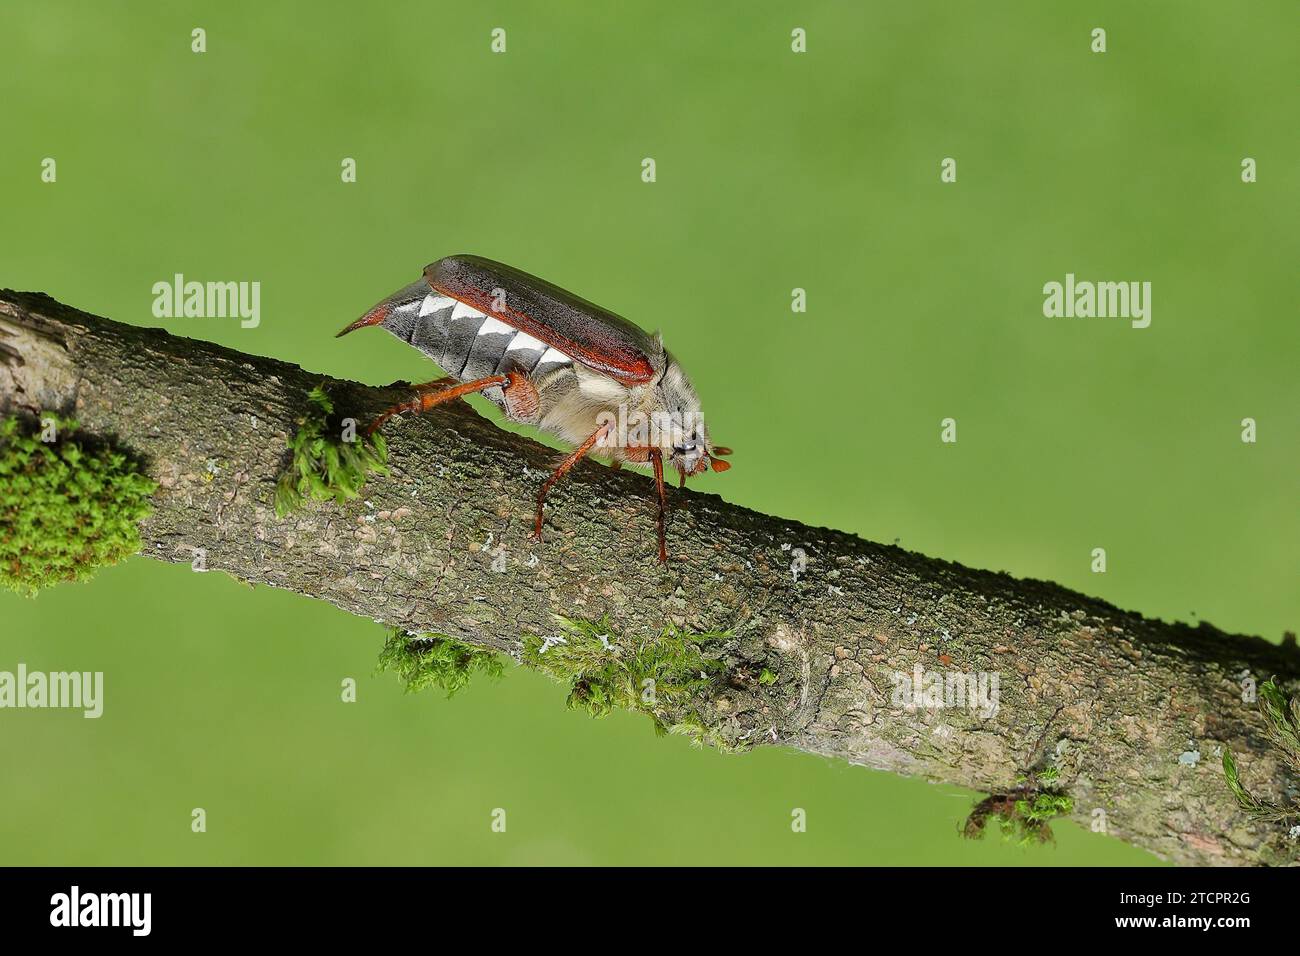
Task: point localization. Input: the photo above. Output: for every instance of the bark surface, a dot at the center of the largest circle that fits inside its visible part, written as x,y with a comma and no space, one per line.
1119,703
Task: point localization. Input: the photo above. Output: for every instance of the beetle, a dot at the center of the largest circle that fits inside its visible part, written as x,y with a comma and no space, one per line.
549,358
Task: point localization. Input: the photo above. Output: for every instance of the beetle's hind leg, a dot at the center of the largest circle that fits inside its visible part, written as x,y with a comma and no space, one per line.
435,393
410,406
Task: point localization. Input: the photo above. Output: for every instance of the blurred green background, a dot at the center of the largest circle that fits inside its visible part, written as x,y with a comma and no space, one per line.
774,171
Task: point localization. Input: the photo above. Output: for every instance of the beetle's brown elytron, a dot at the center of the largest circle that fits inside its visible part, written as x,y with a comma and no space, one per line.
551,359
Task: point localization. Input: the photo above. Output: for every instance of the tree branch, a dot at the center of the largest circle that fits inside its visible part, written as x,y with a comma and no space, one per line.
1109,698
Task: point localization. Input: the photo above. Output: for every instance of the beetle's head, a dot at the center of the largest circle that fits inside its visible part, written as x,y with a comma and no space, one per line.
686,441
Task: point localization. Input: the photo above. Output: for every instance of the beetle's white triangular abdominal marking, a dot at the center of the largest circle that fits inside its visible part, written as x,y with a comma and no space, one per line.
463,311
524,341
435,303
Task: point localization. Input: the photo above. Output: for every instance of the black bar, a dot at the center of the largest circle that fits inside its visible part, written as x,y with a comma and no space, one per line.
212,905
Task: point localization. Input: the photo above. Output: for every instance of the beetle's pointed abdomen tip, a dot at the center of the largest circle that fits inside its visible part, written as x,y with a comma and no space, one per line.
373,317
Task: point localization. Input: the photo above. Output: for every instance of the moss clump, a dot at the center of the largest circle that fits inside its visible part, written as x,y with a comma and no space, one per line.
1282,725
1022,814
323,466
67,506
661,677
435,660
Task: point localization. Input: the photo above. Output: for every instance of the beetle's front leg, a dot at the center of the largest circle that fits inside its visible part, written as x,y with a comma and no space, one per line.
563,469
657,459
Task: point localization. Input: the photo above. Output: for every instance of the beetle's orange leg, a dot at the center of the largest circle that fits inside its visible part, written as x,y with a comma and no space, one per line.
657,458
432,393
563,469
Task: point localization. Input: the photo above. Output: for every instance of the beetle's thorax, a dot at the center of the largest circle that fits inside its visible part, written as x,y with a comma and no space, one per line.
663,414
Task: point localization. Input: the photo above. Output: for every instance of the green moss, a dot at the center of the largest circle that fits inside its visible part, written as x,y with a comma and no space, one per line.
1282,725
436,661
663,677
67,507
323,466
1044,806
1022,814
766,678
1046,777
